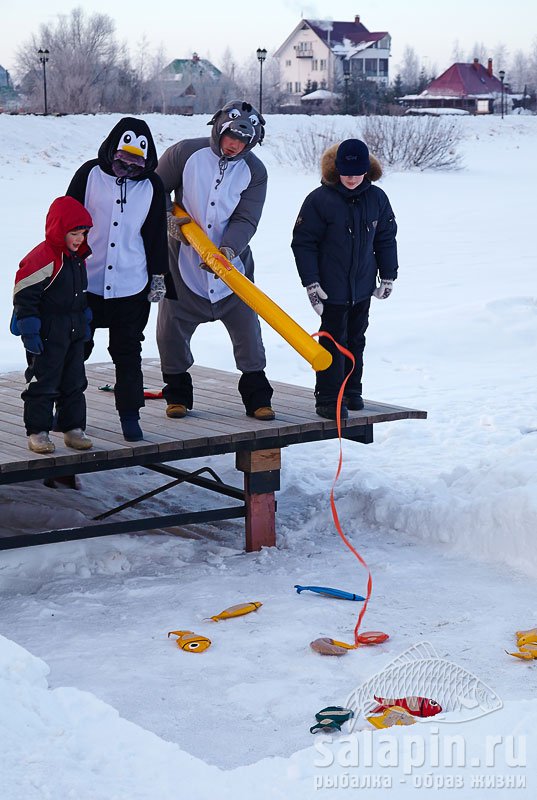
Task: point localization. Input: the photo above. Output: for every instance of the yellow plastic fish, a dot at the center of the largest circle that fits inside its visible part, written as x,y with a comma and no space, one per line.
236,611
526,637
526,651
191,642
394,715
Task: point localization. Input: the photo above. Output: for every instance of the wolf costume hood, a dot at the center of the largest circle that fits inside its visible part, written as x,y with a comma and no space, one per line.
240,120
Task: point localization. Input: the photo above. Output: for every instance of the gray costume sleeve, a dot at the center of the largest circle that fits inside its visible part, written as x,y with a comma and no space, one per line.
245,219
171,165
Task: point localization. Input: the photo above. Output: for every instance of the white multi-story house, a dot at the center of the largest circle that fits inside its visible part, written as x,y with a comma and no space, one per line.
320,53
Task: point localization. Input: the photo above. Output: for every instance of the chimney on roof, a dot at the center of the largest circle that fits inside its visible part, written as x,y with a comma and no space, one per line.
489,68
357,19
476,63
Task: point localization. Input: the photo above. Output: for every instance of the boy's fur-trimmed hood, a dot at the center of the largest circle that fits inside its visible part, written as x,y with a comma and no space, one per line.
330,175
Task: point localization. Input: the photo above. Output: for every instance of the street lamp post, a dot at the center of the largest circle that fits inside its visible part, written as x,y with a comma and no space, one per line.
501,73
43,58
261,56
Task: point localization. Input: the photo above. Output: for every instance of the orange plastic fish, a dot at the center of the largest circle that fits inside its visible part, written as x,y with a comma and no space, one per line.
191,642
236,611
526,651
526,637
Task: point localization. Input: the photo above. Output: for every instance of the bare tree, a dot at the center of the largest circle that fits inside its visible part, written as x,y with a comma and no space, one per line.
532,67
409,70
154,86
84,59
457,53
518,72
229,65
479,51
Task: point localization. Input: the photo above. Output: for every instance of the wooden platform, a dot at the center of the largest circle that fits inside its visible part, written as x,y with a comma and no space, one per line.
217,425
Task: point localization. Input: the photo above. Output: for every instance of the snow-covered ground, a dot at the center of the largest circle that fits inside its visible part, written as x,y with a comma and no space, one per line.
96,703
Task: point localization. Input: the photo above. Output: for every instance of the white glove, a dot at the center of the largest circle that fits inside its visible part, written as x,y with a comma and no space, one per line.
174,228
384,290
157,289
316,295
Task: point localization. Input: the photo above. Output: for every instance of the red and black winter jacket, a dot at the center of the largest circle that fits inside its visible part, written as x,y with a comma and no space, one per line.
51,280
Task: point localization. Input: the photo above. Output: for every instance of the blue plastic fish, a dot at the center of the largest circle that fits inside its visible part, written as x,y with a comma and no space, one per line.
326,590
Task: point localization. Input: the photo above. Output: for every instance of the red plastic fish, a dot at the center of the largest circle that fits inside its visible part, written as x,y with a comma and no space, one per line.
417,706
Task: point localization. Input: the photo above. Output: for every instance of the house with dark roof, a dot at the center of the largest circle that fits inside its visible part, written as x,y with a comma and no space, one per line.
470,87
186,85
318,54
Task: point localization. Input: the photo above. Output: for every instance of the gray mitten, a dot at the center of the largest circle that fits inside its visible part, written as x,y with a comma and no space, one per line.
384,289
157,289
316,296
227,252
174,228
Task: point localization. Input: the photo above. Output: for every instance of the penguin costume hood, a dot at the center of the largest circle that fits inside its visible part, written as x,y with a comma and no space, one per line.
240,120
129,150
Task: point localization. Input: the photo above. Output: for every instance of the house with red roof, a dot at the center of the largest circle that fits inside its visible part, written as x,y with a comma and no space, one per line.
469,87
318,54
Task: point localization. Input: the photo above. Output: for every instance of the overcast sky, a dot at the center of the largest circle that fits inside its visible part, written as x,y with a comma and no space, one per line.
209,26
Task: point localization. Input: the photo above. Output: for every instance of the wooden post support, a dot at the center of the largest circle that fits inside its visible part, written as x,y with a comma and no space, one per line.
261,479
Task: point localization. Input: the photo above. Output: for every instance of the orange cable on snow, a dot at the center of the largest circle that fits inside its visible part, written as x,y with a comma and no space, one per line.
370,637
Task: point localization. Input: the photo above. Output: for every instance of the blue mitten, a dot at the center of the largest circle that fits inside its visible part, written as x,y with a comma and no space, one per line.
88,313
29,328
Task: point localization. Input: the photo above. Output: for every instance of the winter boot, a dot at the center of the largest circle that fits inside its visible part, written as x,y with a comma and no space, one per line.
41,443
354,403
329,411
264,413
130,426
176,410
77,439
256,393
178,393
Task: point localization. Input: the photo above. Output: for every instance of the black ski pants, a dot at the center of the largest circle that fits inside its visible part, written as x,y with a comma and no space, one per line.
347,324
57,375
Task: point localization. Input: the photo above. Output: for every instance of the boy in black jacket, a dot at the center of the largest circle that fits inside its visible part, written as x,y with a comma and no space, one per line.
52,317
343,240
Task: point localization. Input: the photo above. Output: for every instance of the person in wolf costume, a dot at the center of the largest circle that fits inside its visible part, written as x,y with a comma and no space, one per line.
222,186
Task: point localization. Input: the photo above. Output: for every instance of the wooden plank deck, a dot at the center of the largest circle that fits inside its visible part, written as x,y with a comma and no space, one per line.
217,425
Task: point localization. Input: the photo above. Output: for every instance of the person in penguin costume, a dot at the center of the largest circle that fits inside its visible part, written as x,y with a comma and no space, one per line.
127,202
222,186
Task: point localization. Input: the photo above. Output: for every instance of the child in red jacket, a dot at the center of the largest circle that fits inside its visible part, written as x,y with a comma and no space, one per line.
52,317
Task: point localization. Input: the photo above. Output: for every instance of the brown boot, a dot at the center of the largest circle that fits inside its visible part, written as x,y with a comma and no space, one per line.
176,410
264,413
